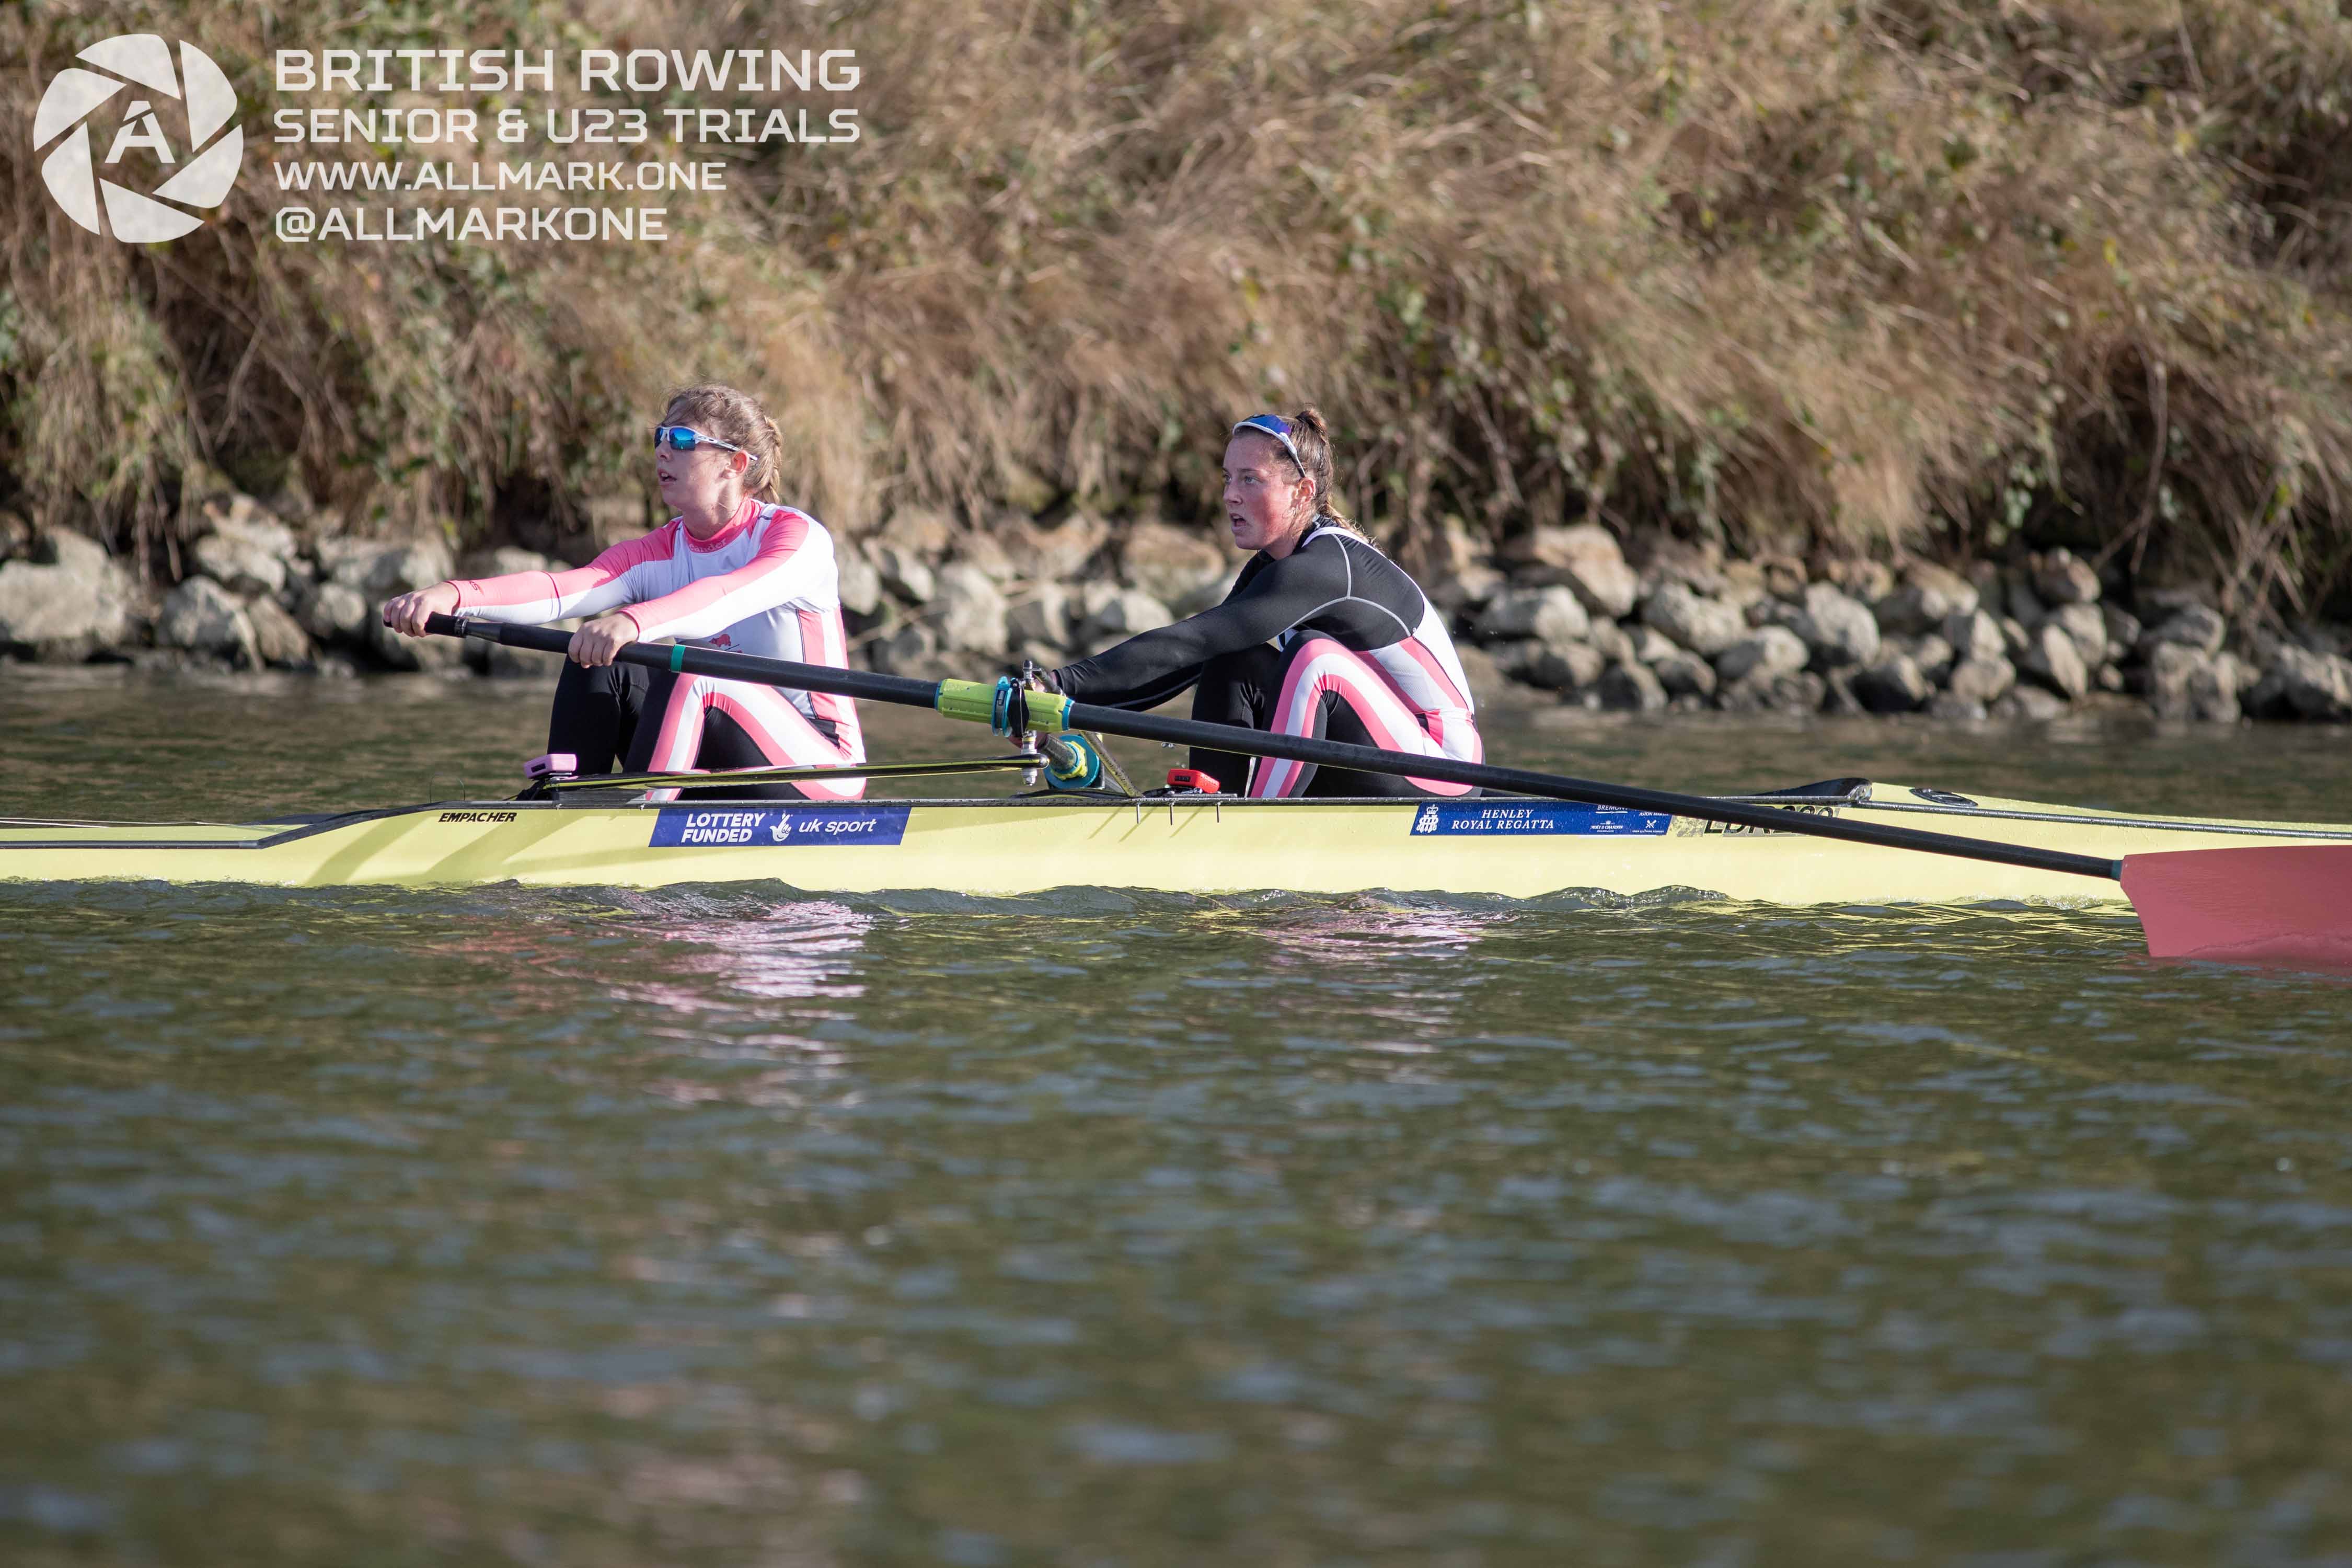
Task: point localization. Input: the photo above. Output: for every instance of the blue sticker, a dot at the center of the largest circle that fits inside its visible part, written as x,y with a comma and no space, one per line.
1498,818
775,826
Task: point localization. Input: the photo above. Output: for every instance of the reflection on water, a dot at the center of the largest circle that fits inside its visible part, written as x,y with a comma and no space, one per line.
728,1225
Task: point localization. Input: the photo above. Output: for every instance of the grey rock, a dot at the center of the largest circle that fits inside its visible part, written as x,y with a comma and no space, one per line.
1585,558
2184,682
1062,552
1119,612
68,609
1683,673
2024,604
381,570
1893,685
1770,650
1551,614
2051,658
2235,673
2013,634
2302,684
860,584
969,610
2213,696
1613,641
1837,629
1174,565
2321,639
1975,636
1980,679
1947,708
1796,691
1651,645
2123,628
2060,578
506,560
2031,703
904,573
1040,614
2196,625
2169,667
1929,597
431,655
1704,625
332,612
1631,687
1864,581
911,649
921,532
277,637
2108,677
2086,627
1992,596
240,562
495,661
1465,591
985,550
205,618
1838,698
1562,666
1931,655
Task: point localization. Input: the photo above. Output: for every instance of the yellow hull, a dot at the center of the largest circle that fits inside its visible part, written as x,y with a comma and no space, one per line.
1512,848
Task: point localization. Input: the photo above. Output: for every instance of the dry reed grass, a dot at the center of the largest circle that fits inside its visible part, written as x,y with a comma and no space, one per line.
1870,274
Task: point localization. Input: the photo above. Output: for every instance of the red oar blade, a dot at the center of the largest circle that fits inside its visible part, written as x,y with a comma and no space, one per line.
2286,903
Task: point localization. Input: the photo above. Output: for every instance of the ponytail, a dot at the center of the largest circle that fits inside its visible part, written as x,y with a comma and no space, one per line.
1312,435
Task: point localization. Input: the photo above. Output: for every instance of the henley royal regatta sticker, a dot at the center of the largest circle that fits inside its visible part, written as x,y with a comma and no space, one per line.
1497,818
777,826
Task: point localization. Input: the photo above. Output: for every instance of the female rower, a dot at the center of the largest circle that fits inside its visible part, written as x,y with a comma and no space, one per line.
1322,635
731,570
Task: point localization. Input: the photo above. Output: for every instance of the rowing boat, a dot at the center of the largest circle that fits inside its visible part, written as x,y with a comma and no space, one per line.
2206,888
1500,846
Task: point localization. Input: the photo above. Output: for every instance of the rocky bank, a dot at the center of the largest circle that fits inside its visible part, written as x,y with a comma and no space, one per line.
1564,615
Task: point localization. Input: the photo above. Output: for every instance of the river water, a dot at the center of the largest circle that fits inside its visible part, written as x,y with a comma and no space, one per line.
735,1226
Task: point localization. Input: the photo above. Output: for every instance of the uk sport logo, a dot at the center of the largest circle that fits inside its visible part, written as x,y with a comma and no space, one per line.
140,151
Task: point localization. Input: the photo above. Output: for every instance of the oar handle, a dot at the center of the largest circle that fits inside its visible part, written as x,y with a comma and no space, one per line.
687,659
967,699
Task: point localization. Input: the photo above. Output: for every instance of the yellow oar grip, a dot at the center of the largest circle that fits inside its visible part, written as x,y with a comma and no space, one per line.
1047,712
978,704
967,699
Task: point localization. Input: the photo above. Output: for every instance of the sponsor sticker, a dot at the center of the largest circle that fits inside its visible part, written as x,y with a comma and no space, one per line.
776,826
1495,818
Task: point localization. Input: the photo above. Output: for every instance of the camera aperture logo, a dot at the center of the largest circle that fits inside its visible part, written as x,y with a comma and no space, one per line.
139,64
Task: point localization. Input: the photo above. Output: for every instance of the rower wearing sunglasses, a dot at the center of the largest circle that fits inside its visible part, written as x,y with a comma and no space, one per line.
734,570
1321,635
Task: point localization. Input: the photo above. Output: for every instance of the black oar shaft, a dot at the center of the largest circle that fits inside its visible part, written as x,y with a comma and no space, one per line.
1519,781
908,692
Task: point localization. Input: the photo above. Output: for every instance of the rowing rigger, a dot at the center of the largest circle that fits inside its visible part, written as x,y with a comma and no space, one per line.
2270,901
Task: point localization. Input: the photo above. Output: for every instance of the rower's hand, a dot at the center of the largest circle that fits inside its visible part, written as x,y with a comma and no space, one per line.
406,613
595,643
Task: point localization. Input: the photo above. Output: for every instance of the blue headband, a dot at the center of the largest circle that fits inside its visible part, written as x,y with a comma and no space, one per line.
1275,425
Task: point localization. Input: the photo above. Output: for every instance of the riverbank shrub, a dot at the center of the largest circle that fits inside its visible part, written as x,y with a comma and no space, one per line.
1858,275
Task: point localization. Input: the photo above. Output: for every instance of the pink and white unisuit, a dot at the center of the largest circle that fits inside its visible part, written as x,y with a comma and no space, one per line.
764,584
